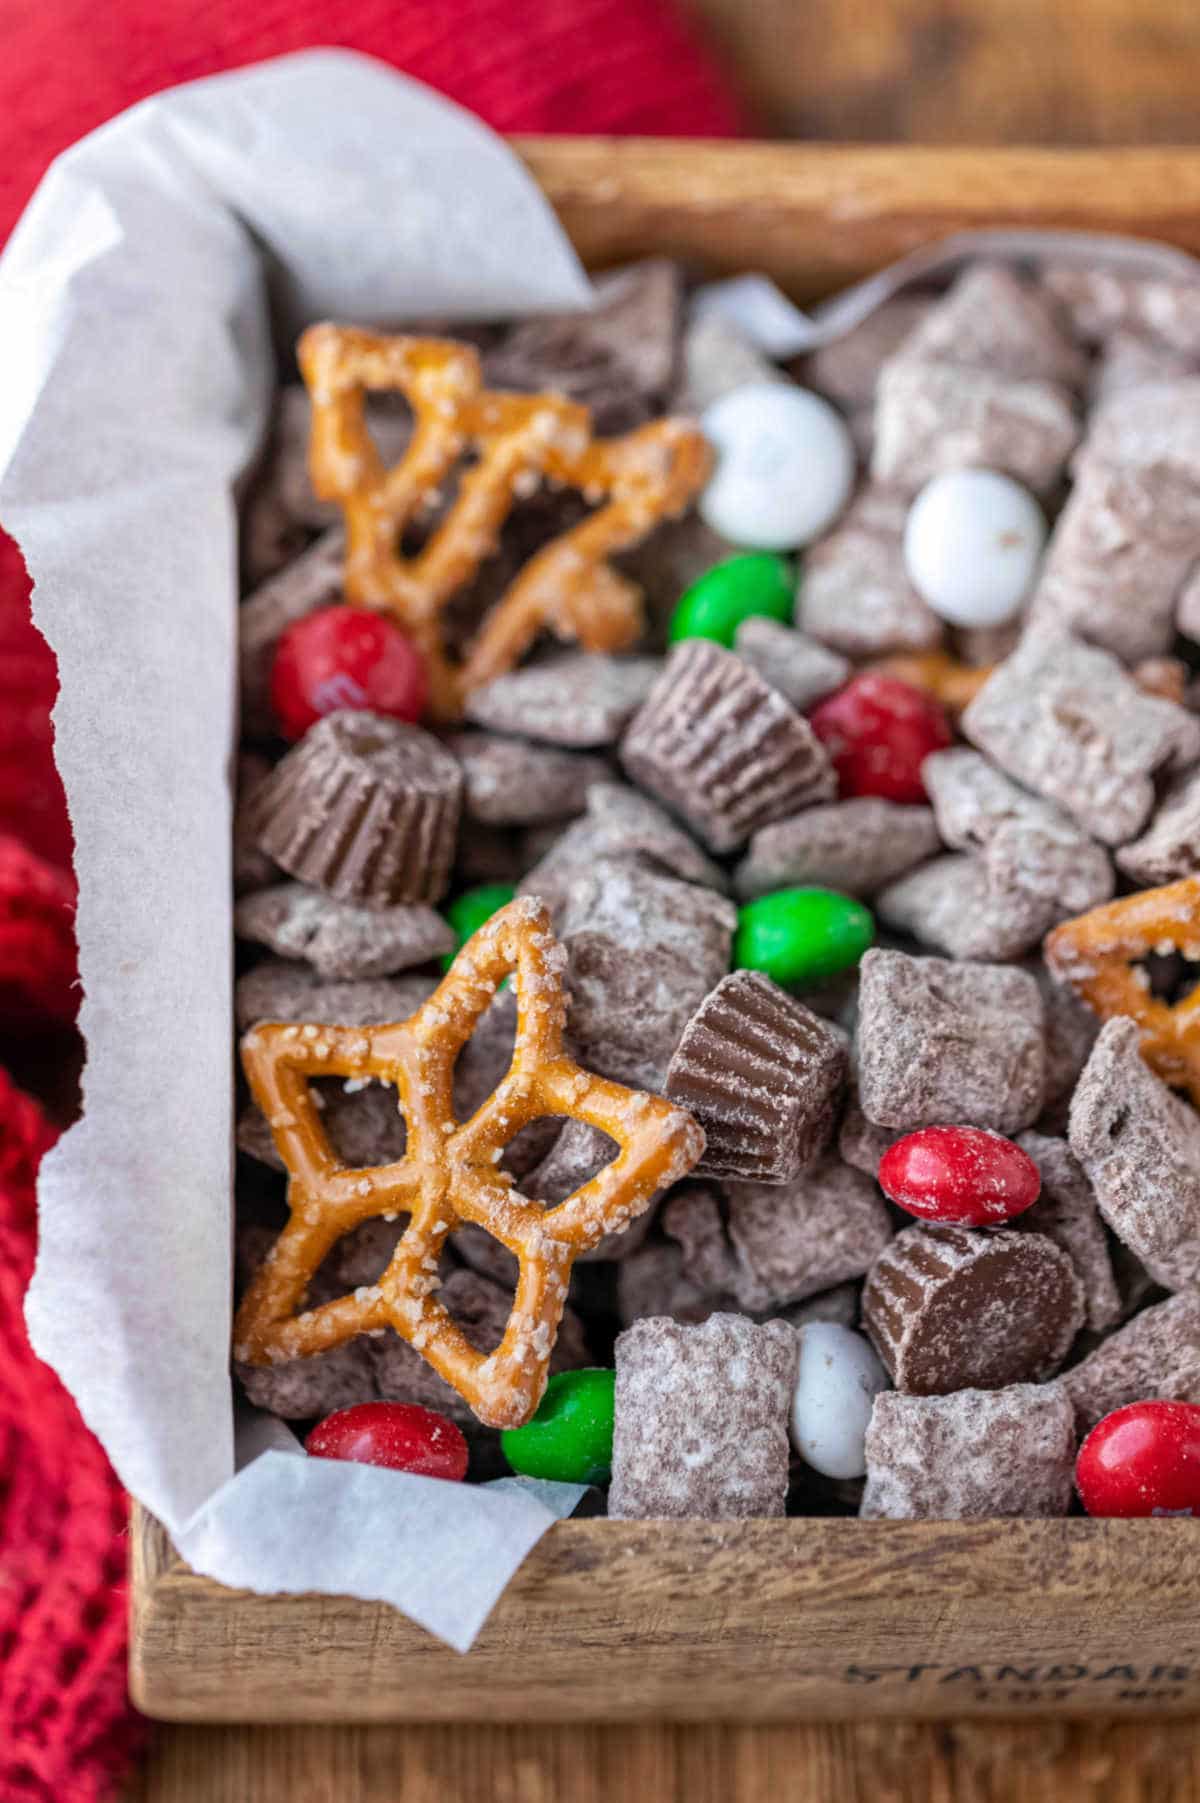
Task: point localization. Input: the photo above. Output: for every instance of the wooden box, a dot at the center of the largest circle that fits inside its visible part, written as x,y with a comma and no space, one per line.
765,1620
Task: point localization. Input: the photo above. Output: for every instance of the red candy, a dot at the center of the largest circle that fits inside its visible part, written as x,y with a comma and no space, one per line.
878,731
345,657
400,1435
963,1175
1143,1459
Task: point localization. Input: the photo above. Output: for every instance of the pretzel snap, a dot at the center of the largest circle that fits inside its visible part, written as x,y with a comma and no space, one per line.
952,683
1096,955
450,1171
567,587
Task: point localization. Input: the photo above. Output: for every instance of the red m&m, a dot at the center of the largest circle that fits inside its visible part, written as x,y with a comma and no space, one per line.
400,1435
1143,1459
345,657
964,1175
878,731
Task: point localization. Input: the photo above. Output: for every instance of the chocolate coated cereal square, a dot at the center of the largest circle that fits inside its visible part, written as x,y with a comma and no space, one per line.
701,1426
944,1042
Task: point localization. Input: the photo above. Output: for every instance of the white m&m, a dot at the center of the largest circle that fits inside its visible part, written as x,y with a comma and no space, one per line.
784,469
972,543
838,1380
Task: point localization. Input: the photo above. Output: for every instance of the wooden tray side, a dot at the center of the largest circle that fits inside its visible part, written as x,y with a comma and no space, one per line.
817,216
759,1621
763,1620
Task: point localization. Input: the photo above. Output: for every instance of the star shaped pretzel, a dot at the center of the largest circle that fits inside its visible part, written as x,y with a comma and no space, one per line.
450,1170
567,587
1097,952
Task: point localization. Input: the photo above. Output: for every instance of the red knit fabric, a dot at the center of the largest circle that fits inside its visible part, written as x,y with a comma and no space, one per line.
67,1731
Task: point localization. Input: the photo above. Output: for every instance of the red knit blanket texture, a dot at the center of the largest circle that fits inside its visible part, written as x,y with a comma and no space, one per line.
67,1730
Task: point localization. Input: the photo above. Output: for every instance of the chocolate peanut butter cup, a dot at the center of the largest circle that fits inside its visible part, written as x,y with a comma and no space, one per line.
953,1309
722,748
364,808
762,1074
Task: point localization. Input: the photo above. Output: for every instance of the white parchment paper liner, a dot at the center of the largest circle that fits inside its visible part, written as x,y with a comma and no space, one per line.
135,374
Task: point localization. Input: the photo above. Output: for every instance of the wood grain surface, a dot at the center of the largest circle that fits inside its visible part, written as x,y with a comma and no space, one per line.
965,71
878,1763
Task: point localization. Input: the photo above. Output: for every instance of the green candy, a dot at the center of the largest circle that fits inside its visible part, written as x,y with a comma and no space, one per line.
570,1438
468,912
714,607
799,937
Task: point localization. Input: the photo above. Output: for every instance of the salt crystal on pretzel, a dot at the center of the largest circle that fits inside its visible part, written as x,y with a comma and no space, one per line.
1098,953
568,587
449,1172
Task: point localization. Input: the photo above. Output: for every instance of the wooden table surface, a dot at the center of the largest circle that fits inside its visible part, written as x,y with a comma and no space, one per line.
936,71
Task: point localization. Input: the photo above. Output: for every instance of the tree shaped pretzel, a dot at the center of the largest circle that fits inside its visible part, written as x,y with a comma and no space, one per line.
450,1171
1097,954
567,587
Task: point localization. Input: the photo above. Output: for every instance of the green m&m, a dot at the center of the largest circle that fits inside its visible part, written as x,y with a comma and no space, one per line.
757,582
798,937
468,912
570,1438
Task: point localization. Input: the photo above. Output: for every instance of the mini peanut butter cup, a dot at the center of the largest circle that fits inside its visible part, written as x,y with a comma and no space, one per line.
722,748
762,1074
953,1309
364,808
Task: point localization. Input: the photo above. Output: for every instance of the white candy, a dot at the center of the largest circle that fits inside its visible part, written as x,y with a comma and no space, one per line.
785,466
837,1382
972,542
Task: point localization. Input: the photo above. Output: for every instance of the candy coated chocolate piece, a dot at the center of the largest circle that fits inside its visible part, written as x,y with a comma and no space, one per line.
1143,1459
837,1381
720,747
952,1309
306,583
1067,721
338,938
762,1074
468,911
1155,1354
798,937
1066,1213
580,699
401,1436
365,809
345,657
963,1176
802,669
755,583
972,543
785,466
701,1417
948,1042
854,594
856,846
878,731
979,1453
570,1439
1140,1146
511,782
